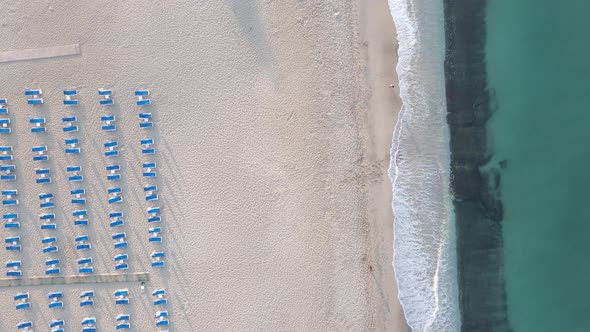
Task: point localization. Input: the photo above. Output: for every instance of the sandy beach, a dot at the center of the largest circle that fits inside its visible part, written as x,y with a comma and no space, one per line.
272,126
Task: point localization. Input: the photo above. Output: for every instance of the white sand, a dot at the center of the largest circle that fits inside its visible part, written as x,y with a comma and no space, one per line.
273,125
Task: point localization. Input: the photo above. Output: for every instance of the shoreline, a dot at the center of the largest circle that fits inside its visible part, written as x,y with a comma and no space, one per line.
478,206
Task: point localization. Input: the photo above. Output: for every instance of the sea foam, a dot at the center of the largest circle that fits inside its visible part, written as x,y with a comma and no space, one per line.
424,244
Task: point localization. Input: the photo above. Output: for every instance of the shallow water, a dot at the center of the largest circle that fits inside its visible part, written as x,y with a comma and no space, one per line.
537,55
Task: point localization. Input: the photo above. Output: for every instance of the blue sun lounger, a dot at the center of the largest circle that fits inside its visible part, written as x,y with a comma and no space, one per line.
56,304
23,305
111,149
85,267
121,292
160,314
70,124
120,240
21,297
82,242
7,168
39,153
43,174
157,257
122,317
149,169
72,146
113,174
39,125
147,146
143,102
116,219
14,273
13,264
153,214
154,233
54,297
74,175
14,269
47,216
5,152
4,126
123,326
107,95
8,197
34,96
108,122
33,92
115,195
145,120
159,292
57,325
48,240
52,266
89,321
13,243
150,193
46,201
79,218
68,97
24,325
50,249
9,220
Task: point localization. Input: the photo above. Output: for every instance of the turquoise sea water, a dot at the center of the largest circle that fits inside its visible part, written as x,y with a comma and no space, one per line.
538,54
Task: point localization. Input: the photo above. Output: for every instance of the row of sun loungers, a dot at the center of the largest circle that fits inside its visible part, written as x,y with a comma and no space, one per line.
34,97
161,317
121,296
88,324
71,147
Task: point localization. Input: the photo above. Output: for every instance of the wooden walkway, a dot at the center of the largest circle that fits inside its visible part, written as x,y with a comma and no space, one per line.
77,279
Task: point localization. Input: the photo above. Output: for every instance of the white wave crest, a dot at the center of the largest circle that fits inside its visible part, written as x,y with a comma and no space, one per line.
424,245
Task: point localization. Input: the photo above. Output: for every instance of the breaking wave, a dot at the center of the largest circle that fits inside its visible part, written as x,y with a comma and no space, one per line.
424,245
